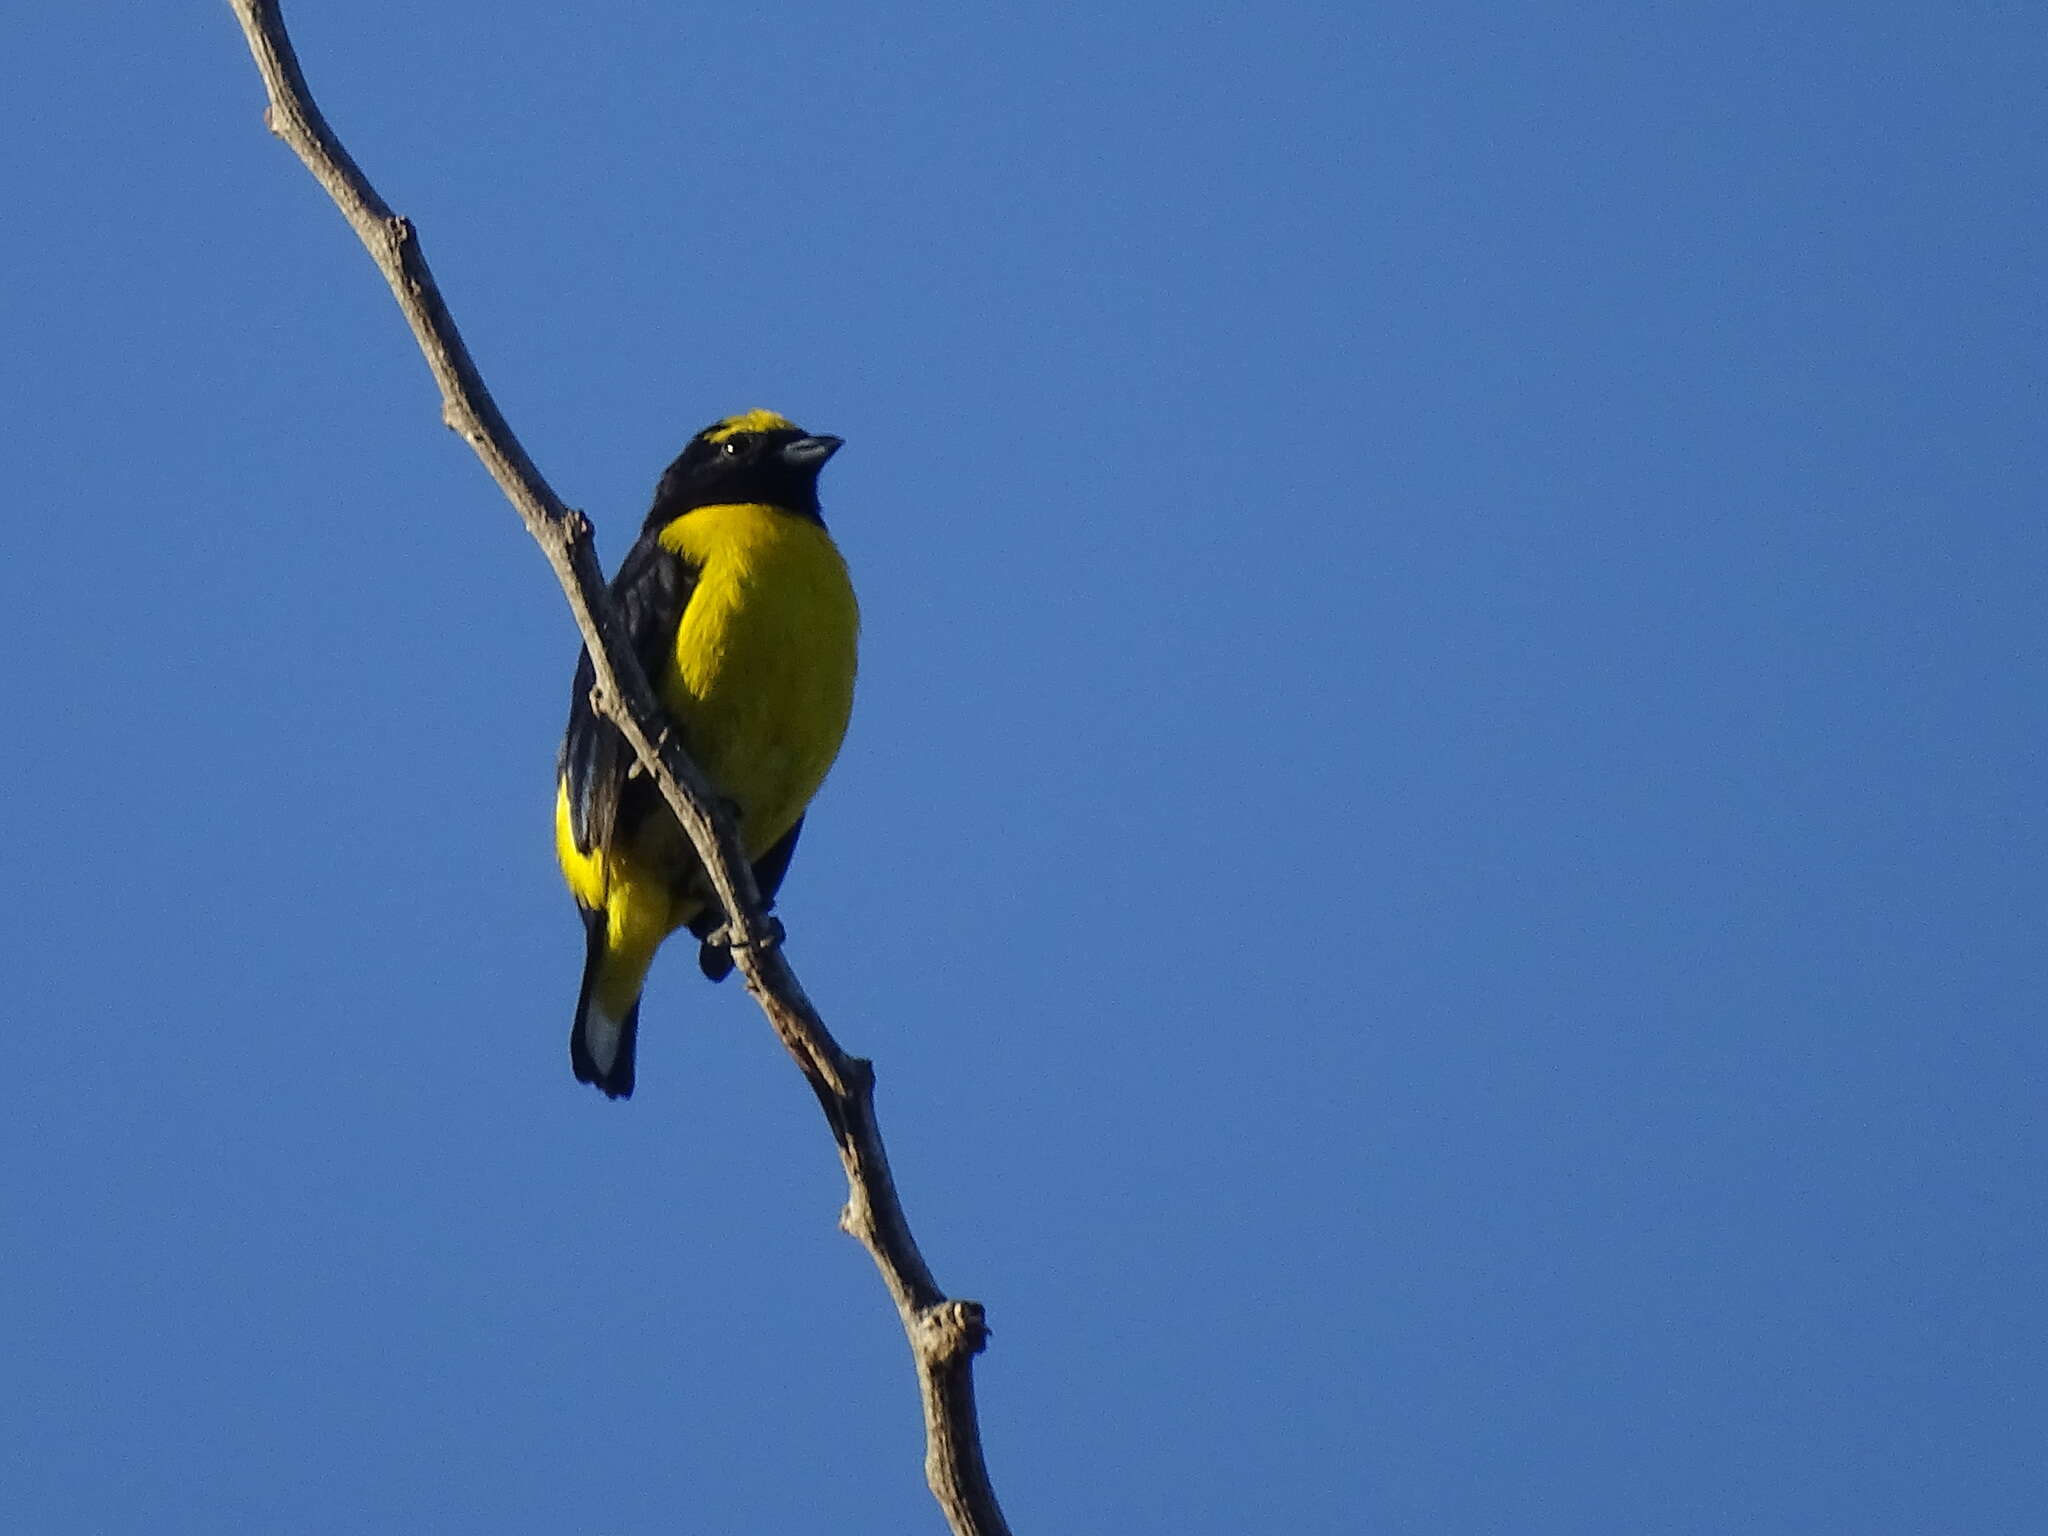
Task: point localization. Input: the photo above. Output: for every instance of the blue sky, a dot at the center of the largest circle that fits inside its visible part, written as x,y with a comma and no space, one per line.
1441,853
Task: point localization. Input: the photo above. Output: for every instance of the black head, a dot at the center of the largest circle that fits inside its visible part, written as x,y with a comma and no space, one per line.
755,457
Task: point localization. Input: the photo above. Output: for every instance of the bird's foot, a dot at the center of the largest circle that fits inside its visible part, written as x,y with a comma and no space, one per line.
714,954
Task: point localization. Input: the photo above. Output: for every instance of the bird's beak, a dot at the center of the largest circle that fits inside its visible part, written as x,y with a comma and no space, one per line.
810,452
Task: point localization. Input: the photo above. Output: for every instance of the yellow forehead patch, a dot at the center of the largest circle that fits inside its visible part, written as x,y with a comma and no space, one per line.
749,421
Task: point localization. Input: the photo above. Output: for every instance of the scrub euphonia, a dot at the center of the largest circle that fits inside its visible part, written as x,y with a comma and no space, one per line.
737,604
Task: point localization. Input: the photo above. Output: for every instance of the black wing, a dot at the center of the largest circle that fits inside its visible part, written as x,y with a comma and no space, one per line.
651,589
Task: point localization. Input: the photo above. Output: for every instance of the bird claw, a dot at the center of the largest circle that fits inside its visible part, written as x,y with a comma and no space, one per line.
714,953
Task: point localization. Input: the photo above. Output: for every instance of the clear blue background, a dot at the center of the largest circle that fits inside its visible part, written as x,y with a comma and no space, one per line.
1441,853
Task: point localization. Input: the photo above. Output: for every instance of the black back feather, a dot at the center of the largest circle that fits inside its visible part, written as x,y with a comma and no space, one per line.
651,590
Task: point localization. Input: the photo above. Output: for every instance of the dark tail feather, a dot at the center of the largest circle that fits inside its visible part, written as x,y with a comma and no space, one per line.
600,1047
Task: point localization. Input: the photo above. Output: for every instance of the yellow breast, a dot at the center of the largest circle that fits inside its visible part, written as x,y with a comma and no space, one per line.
761,676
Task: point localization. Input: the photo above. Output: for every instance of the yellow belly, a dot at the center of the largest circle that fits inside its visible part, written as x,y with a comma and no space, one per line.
761,674
761,679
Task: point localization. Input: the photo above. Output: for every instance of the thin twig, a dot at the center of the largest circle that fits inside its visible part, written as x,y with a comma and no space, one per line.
944,1334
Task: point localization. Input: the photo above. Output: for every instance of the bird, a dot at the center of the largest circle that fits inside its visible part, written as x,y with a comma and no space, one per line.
741,611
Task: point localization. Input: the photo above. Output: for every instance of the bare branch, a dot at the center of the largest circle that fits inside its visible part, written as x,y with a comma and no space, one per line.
944,1334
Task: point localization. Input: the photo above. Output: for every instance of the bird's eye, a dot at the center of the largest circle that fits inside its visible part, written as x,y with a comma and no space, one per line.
734,446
